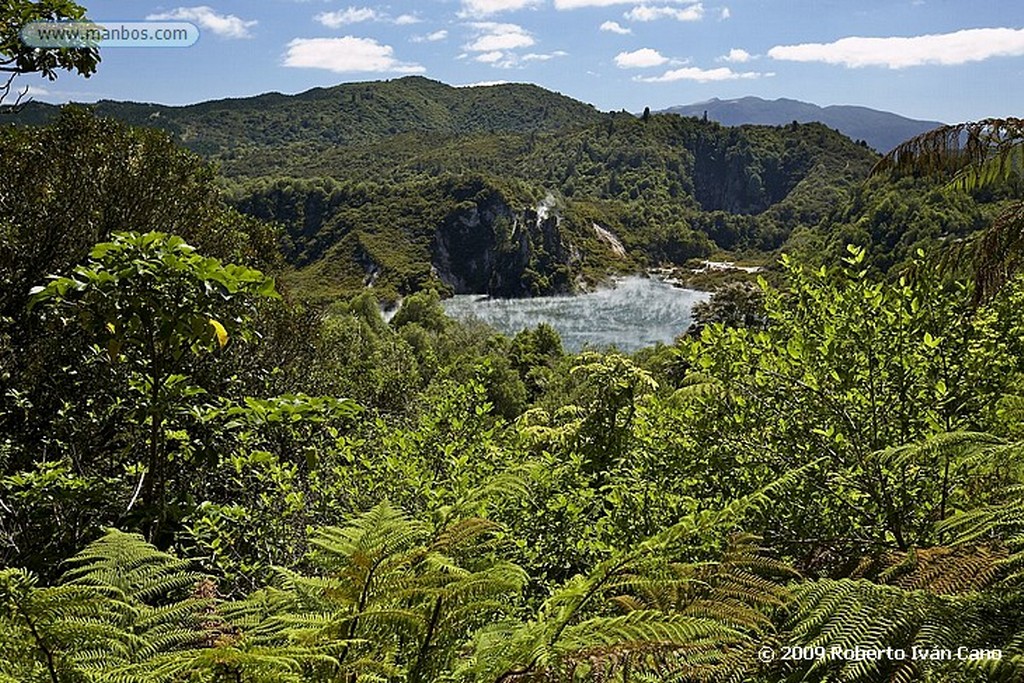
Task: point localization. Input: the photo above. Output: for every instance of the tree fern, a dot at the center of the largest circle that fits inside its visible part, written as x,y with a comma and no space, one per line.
128,613
848,616
56,634
1002,521
682,618
973,155
940,474
392,596
964,150
941,570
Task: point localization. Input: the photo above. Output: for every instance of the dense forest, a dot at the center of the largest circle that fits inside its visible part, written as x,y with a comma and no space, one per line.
380,182
512,190
209,474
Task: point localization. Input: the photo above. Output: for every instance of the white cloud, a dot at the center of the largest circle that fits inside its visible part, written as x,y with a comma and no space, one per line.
725,14
430,37
356,15
615,27
580,4
493,36
352,15
692,73
481,84
346,55
500,41
484,8
946,49
543,57
694,12
640,59
224,25
576,4
737,56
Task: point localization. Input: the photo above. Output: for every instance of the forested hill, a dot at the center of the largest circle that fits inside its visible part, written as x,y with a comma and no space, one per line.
348,114
527,214
881,130
509,190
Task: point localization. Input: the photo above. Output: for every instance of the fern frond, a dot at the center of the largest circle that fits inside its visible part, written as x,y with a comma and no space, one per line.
974,153
127,563
648,630
464,532
1000,522
941,570
847,615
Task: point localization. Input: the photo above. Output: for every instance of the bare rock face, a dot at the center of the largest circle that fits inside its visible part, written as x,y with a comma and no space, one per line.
485,246
609,238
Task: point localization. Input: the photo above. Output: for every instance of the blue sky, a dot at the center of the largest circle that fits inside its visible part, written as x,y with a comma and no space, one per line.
947,60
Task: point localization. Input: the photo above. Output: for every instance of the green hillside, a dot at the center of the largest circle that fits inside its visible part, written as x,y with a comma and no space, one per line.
668,188
351,113
509,190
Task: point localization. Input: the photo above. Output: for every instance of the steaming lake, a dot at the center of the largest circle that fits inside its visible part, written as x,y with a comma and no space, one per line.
637,312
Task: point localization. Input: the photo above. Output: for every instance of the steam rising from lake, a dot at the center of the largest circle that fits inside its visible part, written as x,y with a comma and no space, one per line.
637,312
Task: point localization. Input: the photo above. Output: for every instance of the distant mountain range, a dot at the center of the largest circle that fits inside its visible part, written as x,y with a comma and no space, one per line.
881,130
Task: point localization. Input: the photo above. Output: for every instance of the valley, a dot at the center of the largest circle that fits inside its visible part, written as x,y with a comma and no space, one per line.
395,203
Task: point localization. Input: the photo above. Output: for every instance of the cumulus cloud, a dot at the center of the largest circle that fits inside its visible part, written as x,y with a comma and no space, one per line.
352,15
493,36
946,49
725,13
356,15
579,4
430,37
643,58
615,27
693,73
543,57
737,56
346,55
206,18
481,84
496,43
694,12
485,8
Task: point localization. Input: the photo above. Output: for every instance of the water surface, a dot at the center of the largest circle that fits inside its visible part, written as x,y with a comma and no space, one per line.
637,312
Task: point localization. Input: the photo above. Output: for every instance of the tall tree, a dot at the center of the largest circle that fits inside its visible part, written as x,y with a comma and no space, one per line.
17,58
154,304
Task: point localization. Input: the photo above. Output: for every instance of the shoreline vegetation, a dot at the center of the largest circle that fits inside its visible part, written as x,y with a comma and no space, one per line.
709,276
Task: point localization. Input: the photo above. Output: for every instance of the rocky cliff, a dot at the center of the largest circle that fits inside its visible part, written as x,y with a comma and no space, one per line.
486,246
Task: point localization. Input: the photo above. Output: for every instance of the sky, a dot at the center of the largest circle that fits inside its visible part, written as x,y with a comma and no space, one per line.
944,60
